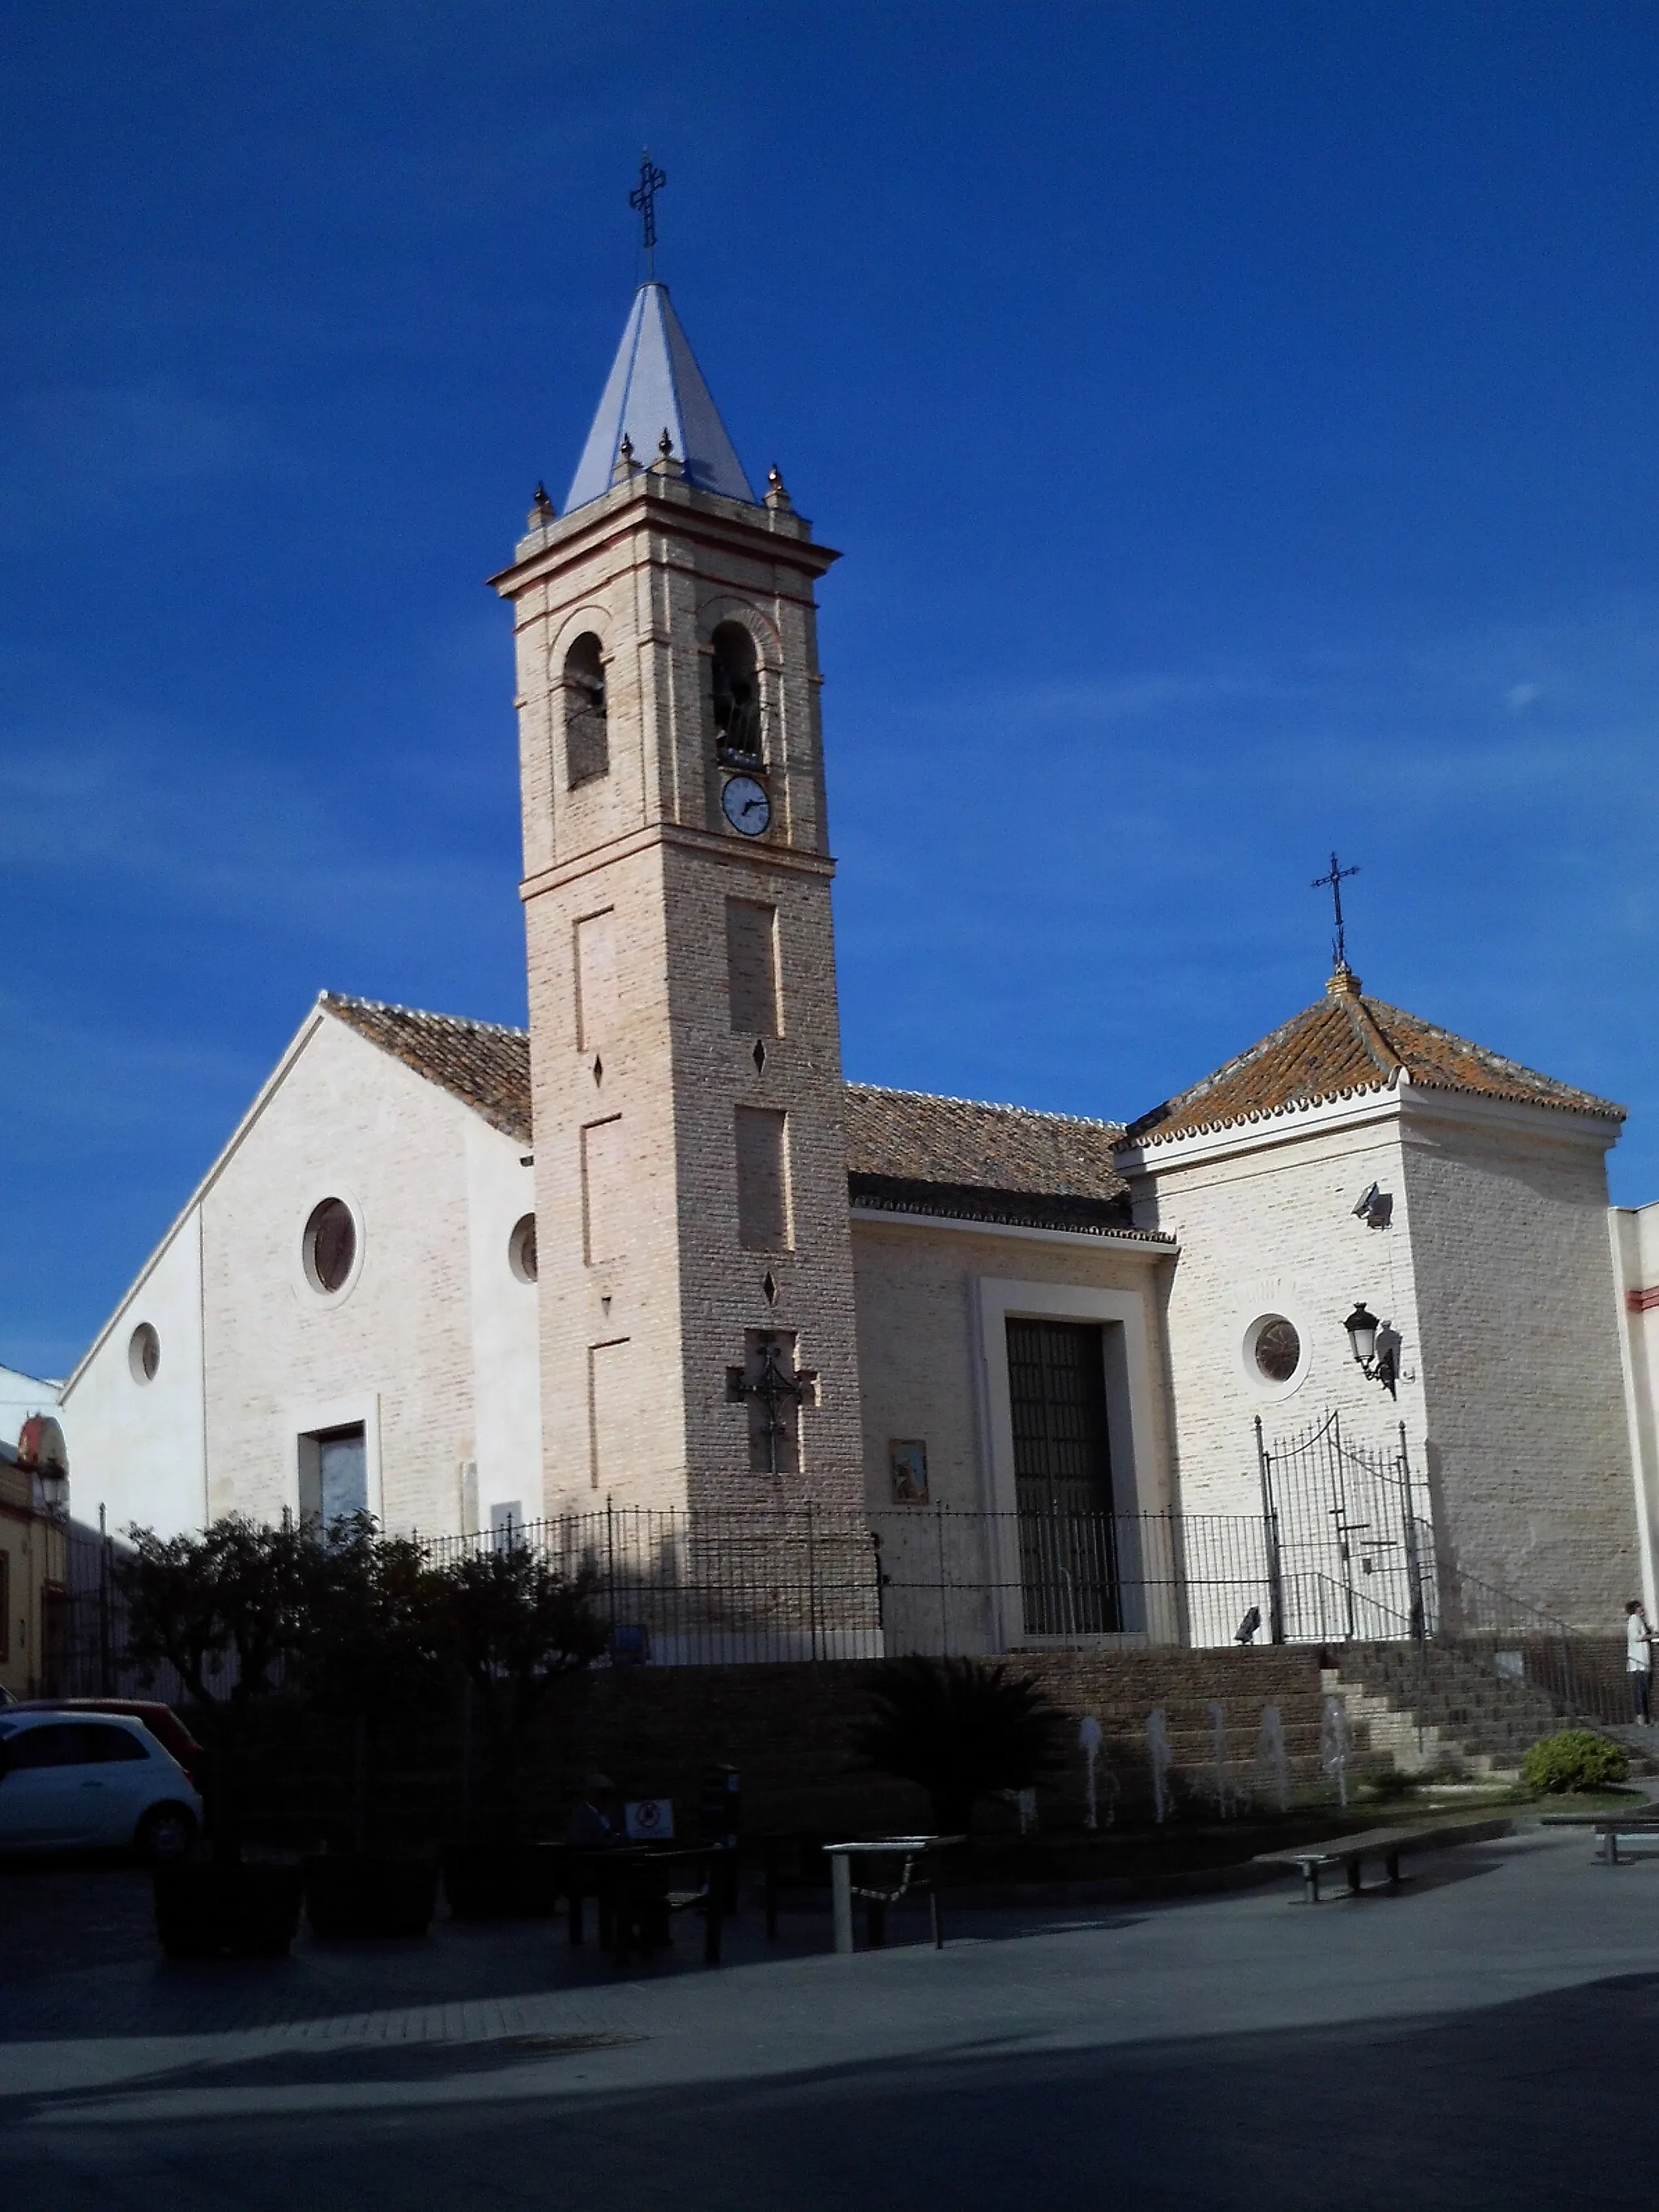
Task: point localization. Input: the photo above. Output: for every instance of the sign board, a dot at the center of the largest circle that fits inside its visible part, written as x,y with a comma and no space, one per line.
649,1819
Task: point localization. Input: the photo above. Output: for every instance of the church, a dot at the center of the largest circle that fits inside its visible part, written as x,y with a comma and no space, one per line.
1346,1326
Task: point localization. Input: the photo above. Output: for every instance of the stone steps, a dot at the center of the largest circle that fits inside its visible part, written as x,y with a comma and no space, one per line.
1433,1708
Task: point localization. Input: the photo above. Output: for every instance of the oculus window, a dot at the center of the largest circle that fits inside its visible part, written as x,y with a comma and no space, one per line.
331,1246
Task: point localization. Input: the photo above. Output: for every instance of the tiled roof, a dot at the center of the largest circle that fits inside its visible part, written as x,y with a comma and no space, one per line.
906,1152
484,1066
1344,1045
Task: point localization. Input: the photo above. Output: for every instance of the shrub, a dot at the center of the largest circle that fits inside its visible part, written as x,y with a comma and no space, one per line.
960,1728
1573,1759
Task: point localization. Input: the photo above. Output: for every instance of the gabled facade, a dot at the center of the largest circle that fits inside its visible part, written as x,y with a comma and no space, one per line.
344,1313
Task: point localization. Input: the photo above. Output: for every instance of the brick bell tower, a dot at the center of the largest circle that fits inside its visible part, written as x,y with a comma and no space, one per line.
696,1280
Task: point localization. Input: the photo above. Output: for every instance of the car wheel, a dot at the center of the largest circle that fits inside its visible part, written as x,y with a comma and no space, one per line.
165,1834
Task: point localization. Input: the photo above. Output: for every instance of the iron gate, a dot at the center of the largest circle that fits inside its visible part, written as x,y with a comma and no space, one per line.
1348,1541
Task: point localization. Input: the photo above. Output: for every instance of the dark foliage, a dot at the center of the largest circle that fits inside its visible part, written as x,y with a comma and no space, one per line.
228,1610
516,1628
960,1728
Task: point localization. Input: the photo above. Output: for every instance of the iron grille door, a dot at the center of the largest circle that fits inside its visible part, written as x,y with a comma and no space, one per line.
1063,1477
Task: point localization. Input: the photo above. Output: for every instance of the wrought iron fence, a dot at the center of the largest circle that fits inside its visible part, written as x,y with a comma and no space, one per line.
702,1587
1505,1634
1341,1550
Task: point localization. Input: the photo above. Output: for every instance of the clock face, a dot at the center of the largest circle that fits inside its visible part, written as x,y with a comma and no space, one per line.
746,806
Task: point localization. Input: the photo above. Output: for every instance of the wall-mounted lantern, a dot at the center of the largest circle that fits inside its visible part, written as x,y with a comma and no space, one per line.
1377,1362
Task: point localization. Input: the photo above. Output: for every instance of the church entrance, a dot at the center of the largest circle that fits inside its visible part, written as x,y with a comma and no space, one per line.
1063,1477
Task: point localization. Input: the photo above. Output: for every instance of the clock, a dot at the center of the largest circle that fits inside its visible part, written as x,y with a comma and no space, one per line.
745,805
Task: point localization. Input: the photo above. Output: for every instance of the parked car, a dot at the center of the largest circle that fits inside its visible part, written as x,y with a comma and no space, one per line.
163,1724
102,1780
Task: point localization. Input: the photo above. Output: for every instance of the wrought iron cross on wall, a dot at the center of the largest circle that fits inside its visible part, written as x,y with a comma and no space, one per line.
775,1388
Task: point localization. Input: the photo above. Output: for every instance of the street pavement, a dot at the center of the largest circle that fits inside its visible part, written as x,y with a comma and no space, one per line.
1486,2035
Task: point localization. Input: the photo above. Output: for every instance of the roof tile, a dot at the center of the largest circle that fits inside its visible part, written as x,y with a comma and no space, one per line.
1346,1044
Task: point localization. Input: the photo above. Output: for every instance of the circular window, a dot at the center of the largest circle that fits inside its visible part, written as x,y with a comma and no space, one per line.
521,1249
1277,1350
143,1353
331,1245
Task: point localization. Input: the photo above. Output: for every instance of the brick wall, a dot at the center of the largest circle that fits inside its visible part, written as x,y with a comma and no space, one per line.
1529,1449
1265,1221
652,569
787,1729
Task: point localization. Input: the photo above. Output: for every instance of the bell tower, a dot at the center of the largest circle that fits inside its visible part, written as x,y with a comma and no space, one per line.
697,1341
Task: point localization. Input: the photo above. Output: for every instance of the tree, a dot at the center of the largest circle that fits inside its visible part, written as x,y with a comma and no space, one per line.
367,1646
961,1728
227,1609
516,1627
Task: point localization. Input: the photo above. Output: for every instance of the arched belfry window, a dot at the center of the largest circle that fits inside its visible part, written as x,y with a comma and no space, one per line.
587,732
737,696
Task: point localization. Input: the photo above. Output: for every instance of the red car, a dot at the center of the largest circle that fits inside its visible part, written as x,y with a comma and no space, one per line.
163,1724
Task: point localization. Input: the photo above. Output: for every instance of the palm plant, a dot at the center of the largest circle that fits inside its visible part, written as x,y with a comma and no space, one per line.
960,1728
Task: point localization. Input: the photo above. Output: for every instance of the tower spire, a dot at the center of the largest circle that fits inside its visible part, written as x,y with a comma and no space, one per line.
656,386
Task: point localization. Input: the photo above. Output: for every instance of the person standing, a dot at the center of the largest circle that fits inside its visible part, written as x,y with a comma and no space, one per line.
1638,1661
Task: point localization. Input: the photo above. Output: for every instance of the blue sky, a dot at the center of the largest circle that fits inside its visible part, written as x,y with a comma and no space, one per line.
1239,422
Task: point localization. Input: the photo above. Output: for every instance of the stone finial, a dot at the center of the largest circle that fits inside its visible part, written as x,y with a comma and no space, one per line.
665,446
665,464
625,464
1344,983
776,497
541,510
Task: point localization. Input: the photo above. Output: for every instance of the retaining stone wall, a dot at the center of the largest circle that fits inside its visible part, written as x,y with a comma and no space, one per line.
787,1729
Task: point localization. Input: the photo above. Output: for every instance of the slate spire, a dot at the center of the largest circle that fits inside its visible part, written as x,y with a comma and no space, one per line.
656,386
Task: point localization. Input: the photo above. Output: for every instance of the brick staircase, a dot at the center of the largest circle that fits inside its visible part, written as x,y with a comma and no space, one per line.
1430,1709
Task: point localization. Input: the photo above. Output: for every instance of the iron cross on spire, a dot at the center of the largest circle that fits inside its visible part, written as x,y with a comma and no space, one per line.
1334,883
651,181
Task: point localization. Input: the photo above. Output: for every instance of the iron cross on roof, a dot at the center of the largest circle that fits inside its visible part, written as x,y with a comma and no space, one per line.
1334,883
652,180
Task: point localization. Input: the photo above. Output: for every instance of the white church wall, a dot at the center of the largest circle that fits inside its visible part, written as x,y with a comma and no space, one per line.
136,1442
1528,1448
505,1357
1635,1240
921,1349
393,1348
1265,1217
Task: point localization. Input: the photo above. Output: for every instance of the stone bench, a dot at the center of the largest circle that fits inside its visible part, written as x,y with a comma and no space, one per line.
1389,1844
1608,1827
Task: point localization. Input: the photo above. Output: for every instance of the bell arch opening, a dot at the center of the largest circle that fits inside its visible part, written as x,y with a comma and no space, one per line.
586,721
735,672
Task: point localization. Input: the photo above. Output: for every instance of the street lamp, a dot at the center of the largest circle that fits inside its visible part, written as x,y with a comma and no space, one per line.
1364,1328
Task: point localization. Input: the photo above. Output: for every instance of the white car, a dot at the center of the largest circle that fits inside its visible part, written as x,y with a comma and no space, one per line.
69,1782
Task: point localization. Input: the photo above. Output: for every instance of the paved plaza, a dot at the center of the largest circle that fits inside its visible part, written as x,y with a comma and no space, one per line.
1489,2036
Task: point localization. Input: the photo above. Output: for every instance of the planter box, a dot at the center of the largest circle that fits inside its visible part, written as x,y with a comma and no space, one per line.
250,1911
373,1894
500,1881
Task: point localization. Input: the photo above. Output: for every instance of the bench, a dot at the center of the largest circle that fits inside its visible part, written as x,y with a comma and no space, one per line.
1389,1844
635,1890
1608,1827
917,1858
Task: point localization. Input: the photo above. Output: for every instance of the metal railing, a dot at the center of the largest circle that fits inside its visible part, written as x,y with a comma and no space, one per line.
715,1586
725,1586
